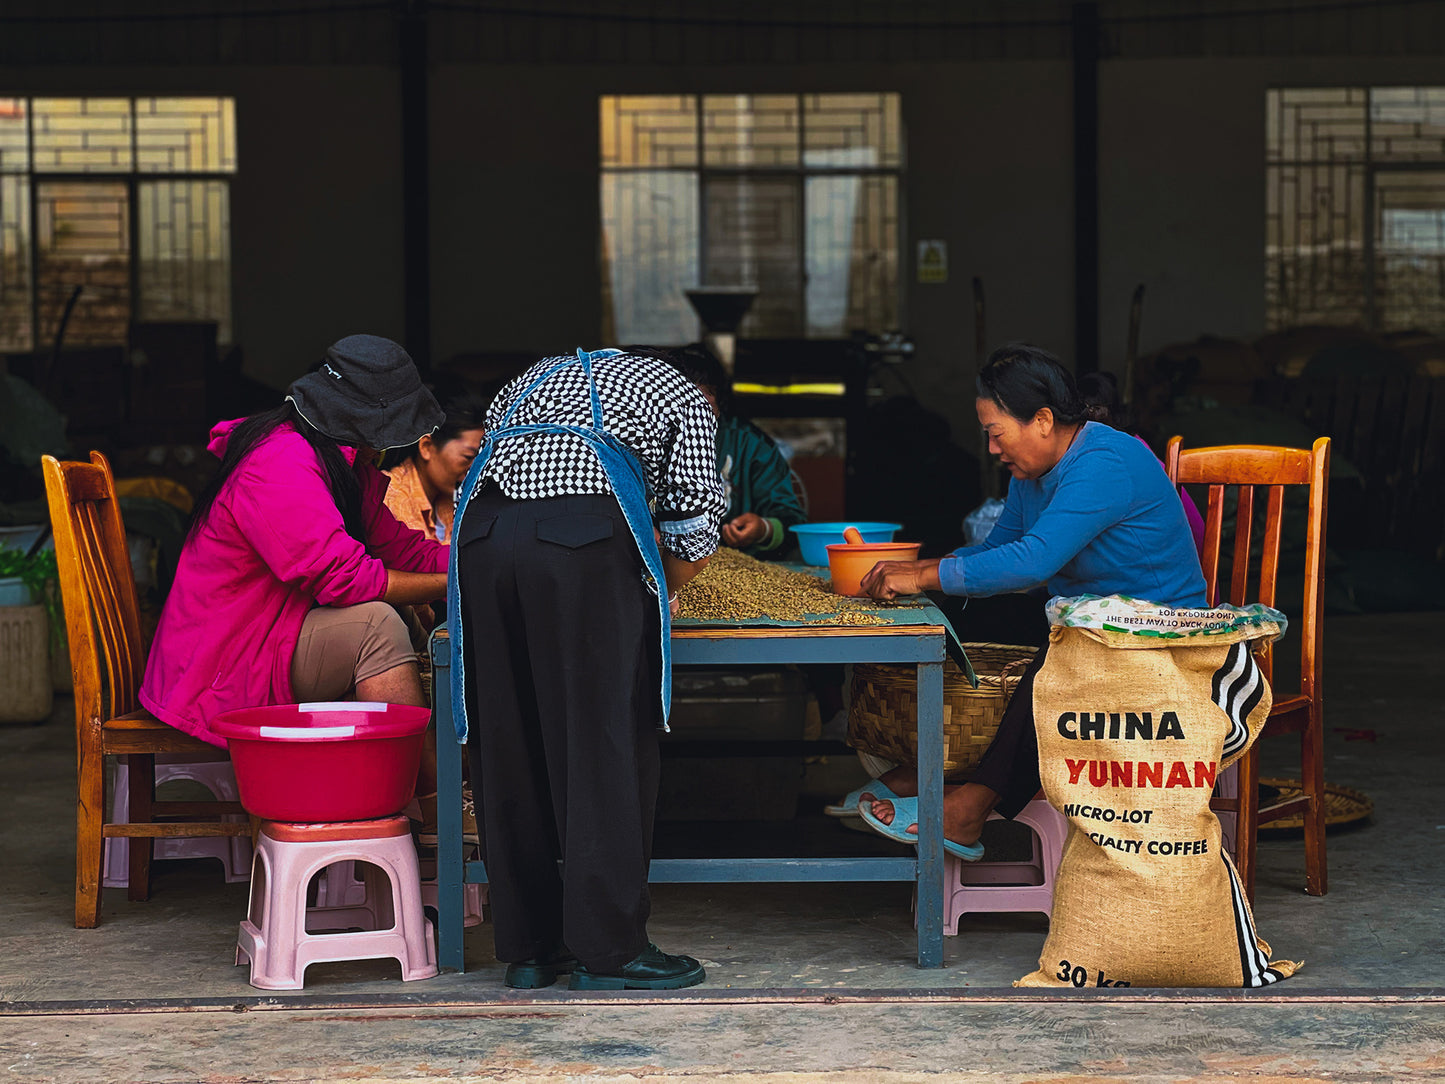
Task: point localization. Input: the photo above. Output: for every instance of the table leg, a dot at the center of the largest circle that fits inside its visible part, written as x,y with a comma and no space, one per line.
450,904
930,814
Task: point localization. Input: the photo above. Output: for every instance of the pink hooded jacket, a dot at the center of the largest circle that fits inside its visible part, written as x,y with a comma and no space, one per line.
272,547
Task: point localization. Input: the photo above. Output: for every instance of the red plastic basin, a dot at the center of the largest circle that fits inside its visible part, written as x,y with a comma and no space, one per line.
313,763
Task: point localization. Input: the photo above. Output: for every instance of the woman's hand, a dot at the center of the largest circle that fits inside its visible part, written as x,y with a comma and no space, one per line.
888,579
746,530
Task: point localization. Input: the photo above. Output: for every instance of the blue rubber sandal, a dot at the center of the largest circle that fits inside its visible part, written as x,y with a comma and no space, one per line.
847,806
905,813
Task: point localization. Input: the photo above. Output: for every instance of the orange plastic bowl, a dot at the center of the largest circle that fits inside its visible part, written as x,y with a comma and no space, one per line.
849,564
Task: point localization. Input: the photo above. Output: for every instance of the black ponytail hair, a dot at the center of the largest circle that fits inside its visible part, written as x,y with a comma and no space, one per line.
1102,402
341,479
702,367
1021,380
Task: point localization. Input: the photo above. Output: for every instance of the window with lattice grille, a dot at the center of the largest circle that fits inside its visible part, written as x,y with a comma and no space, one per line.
795,194
127,199
1355,207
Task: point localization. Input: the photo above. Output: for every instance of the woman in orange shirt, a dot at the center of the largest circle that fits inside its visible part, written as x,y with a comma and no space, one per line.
422,493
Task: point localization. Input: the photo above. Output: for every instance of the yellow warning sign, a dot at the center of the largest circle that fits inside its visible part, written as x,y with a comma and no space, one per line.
932,261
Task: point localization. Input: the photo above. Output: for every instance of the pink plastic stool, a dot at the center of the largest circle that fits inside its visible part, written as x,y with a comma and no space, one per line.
1228,787
340,886
1008,886
217,777
474,896
281,937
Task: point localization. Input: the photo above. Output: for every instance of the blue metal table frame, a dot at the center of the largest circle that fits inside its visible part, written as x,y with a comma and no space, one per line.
913,634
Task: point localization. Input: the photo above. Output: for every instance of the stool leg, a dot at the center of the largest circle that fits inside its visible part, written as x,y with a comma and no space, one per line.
412,924
953,893
249,944
283,921
380,897
115,869
240,858
1050,831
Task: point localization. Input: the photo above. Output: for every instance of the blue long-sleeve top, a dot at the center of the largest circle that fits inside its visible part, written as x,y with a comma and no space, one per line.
1103,521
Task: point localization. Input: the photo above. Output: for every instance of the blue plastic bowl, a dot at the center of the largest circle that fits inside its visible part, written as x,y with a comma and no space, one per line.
815,538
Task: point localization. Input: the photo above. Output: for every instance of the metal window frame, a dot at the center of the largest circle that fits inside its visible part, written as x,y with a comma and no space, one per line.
132,178
800,174
1370,166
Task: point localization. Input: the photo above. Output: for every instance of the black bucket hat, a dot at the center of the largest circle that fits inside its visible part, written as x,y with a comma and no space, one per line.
367,393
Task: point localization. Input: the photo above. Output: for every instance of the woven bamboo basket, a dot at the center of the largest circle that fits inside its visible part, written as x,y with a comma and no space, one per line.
884,706
1342,805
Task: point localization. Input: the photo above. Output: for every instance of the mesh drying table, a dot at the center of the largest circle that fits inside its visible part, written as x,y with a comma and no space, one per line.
911,634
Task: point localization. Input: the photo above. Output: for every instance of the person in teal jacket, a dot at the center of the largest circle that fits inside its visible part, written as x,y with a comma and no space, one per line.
762,503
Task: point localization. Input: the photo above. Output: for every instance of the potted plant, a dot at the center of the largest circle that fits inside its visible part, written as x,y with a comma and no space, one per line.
28,578
29,618
30,426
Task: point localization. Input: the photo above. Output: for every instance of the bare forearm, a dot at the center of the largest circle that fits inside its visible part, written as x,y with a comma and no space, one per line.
679,572
409,588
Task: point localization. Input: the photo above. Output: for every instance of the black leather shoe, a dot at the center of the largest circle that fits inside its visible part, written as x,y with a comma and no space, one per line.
650,969
540,971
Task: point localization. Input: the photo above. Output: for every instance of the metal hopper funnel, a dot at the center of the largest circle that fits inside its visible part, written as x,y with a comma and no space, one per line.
721,309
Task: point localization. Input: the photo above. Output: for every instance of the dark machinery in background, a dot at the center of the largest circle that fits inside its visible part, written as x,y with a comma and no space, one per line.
882,456
897,460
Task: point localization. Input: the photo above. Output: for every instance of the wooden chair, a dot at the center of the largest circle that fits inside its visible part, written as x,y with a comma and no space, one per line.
1247,466
102,621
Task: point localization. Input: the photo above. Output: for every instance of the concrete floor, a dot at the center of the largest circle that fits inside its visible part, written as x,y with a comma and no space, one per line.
806,982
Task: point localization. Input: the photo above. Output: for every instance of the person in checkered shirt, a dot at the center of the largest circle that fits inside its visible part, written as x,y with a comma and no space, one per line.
564,663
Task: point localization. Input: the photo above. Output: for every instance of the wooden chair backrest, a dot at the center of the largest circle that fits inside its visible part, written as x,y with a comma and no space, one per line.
102,614
1247,466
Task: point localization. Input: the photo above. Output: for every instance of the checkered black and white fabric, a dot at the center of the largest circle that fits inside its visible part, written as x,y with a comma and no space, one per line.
654,410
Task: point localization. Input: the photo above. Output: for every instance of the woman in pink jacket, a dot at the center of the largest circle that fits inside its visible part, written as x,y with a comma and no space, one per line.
285,587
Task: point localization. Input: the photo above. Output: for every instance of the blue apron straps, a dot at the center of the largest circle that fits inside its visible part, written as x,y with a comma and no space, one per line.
625,476
586,359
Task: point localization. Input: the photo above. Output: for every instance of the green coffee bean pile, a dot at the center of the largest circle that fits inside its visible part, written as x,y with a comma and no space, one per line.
735,587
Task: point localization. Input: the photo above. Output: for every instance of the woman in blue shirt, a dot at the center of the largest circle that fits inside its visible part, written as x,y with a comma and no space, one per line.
1089,511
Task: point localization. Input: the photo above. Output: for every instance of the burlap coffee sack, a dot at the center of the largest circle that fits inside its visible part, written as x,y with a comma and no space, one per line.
1133,730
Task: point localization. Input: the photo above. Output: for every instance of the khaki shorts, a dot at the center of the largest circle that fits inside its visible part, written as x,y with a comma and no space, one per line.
342,646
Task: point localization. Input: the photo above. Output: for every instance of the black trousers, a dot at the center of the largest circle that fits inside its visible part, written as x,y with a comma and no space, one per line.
1010,765
563,672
